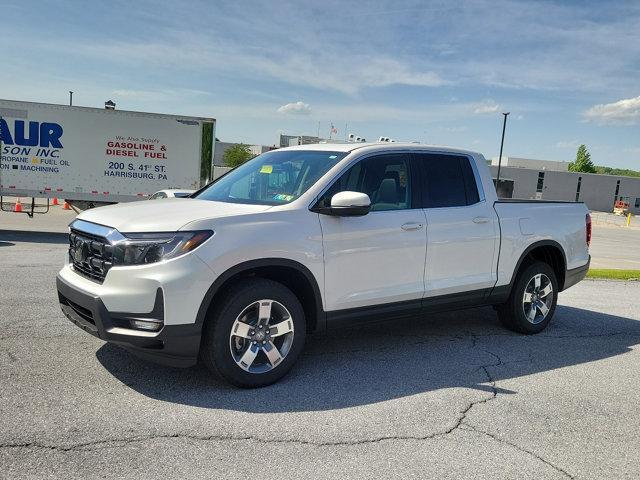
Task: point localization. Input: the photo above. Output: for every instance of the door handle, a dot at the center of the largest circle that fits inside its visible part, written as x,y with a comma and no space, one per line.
481,220
412,226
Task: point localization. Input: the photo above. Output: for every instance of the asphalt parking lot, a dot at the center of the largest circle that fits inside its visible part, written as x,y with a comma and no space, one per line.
449,396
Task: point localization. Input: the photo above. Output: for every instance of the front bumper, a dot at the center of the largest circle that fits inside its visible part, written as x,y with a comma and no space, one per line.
174,345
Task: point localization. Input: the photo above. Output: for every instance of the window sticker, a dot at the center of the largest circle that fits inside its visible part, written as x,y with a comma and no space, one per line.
266,169
281,197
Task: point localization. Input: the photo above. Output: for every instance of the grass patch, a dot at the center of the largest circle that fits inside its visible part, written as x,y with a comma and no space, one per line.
613,274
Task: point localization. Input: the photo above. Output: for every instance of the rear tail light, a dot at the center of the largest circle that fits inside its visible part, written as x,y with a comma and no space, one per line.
588,228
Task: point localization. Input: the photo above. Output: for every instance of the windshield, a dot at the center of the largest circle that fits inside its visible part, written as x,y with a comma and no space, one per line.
273,178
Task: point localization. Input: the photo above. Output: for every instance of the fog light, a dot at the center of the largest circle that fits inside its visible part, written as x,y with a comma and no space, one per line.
150,325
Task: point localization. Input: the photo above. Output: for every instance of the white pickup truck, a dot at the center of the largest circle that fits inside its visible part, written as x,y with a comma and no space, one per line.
312,237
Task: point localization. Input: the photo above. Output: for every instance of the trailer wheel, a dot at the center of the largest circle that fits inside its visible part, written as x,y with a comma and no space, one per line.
532,301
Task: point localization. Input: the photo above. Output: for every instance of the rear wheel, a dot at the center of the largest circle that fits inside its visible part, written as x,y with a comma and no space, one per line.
533,299
255,335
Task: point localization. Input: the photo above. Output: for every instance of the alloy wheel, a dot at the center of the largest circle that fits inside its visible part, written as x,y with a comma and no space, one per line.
261,336
537,298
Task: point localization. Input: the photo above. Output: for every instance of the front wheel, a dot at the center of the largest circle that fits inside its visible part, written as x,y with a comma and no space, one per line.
255,334
533,299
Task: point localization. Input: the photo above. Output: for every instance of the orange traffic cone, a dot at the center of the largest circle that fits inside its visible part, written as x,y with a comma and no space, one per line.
55,201
66,206
18,207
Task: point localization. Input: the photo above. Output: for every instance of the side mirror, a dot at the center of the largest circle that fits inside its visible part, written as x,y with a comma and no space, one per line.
350,204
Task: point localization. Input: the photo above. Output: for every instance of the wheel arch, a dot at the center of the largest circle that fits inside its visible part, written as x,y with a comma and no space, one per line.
547,251
294,275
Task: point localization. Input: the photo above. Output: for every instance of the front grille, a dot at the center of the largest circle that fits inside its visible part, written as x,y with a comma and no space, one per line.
91,255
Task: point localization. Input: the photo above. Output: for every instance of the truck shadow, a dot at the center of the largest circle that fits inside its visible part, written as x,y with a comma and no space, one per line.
380,362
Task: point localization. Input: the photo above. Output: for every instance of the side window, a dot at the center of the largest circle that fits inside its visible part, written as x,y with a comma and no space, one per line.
448,181
470,185
385,178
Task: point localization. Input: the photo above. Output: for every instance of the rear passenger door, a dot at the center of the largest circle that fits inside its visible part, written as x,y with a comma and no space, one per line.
462,229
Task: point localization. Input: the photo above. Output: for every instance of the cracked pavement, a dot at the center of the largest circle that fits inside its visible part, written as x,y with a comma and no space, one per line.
452,395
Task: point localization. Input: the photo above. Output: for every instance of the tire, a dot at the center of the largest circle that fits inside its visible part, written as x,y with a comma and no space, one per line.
516,314
235,347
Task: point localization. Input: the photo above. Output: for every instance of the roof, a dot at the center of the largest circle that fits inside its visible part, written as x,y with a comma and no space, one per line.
20,104
376,146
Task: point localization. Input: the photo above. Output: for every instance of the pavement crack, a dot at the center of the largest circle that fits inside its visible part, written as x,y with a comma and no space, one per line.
520,449
465,425
492,382
88,446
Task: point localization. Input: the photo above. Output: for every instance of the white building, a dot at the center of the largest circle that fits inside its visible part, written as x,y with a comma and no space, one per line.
293,140
532,164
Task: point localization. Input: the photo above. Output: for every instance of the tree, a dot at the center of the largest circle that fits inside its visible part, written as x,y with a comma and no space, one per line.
583,161
236,155
618,172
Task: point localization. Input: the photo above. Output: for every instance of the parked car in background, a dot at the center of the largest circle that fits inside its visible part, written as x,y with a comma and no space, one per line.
171,193
305,238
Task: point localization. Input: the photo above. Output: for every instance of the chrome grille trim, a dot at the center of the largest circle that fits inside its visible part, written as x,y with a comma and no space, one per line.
110,234
91,249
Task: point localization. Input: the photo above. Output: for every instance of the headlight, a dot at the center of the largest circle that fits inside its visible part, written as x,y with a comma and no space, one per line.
143,248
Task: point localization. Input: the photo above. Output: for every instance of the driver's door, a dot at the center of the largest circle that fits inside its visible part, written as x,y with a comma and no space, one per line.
377,258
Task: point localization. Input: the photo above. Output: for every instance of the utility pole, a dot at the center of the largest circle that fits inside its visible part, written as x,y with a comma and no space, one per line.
504,126
70,98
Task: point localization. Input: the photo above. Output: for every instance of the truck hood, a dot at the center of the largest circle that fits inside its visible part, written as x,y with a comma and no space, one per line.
166,215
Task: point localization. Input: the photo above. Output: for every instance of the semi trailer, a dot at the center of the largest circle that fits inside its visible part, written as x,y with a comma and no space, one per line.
91,156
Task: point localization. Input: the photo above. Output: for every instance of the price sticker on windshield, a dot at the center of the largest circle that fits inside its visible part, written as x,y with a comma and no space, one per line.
266,169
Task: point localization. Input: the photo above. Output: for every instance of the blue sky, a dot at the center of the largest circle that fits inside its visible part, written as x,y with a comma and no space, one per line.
434,72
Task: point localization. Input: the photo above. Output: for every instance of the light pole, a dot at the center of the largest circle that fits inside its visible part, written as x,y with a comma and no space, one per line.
70,98
504,126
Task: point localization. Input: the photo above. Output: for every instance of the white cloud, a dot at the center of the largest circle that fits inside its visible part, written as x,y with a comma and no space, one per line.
296,108
328,72
568,144
457,129
331,51
319,69
160,95
625,112
485,106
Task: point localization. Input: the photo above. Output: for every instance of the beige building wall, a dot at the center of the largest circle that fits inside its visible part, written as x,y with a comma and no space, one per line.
597,191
